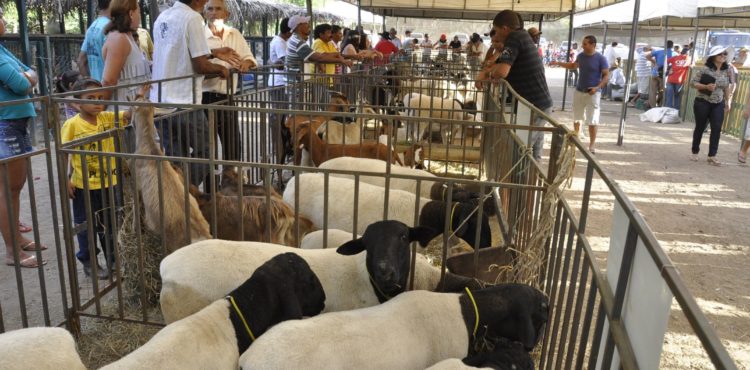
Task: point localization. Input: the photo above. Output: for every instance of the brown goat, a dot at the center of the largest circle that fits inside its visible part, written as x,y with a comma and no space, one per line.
230,184
250,215
321,152
338,103
172,188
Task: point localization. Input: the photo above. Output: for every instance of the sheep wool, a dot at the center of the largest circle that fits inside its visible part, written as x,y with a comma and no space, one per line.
41,348
336,238
341,200
378,166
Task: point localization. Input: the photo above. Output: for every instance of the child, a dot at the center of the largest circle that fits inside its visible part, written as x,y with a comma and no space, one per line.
63,84
100,176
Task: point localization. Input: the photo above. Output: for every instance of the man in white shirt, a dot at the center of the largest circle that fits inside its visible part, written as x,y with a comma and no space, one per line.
426,46
215,89
277,80
180,49
394,39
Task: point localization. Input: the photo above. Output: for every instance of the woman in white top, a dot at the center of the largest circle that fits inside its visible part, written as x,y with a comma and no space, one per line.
124,62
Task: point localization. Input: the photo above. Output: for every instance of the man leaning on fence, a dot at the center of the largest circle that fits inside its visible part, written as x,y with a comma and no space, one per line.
215,89
180,49
520,65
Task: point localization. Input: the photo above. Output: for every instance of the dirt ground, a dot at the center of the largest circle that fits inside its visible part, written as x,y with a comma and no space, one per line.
699,213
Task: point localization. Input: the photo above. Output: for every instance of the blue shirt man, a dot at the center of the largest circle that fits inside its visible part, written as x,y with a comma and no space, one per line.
90,60
657,58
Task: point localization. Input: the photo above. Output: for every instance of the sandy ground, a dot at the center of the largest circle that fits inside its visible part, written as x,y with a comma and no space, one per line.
699,213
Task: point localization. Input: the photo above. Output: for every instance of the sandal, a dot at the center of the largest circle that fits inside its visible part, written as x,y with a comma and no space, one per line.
28,262
741,158
32,247
22,227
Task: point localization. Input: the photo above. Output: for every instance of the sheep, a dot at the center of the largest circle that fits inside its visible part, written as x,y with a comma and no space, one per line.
320,151
195,276
284,288
336,238
377,166
171,186
418,105
41,348
412,331
249,215
464,193
341,202
342,130
463,221
505,355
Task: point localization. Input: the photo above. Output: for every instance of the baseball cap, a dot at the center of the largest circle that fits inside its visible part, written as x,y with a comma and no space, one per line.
296,20
533,31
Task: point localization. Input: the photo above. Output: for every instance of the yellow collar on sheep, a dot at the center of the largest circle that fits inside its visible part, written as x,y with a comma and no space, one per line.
242,317
453,211
476,311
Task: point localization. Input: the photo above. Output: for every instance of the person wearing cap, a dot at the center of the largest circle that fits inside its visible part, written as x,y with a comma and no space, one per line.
679,66
299,52
593,71
442,46
520,65
535,34
713,83
180,49
741,58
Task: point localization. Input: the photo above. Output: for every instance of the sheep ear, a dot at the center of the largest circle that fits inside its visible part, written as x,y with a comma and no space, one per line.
422,234
351,247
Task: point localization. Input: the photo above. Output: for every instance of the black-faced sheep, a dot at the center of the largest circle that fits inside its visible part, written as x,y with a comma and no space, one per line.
284,288
412,331
464,220
203,272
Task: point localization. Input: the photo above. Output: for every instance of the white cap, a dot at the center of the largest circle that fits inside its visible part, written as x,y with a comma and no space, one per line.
296,20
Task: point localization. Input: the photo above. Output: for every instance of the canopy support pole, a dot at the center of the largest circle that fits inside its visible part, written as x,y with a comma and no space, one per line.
359,15
666,57
695,38
604,38
629,73
23,31
567,59
81,22
541,18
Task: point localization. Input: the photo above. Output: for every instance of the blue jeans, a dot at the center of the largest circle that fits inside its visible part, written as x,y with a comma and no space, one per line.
101,217
186,135
706,113
14,137
673,95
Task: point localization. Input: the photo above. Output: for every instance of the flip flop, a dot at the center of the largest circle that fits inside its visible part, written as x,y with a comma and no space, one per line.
22,227
32,247
741,158
28,262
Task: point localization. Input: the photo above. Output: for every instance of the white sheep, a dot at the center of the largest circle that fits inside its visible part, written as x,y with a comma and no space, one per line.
334,132
336,238
39,349
200,273
412,331
418,105
341,202
283,288
378,166
505,355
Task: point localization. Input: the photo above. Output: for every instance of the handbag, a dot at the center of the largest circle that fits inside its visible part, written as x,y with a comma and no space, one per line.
705,80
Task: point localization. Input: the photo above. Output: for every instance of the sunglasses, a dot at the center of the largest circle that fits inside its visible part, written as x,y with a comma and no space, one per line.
723,54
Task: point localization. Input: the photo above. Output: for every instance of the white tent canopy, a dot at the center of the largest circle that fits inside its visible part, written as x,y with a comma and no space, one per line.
623,12
349,12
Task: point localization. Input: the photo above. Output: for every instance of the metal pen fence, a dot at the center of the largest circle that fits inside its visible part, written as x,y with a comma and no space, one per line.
600,318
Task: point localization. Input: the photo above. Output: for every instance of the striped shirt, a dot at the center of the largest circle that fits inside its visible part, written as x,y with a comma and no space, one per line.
642,68
92,46
297,53
526,74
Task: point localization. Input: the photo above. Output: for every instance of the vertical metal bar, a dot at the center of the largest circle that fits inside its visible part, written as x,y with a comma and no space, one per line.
585,199
604,38
446,230
567,59
23,31
16,253
563,338
139,234
577,317
631,65
587,318
562,292
597,340
211,163
666,56
91,232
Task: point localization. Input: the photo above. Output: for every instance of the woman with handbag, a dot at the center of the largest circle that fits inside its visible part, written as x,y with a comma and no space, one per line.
715,86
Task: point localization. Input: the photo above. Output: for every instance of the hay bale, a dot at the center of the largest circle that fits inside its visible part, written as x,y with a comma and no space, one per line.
140,278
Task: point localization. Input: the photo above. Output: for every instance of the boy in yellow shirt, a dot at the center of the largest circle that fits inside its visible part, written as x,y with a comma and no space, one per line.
100,173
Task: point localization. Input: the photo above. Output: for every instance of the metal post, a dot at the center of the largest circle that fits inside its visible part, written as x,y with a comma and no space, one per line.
40,18
384,30
604,38
91,12
142,4
629,73
666,56
81,23
359,15
23,31
695,38
567,59
541,18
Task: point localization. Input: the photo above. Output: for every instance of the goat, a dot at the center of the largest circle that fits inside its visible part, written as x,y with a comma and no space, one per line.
251,216
231,180
171,187
320,151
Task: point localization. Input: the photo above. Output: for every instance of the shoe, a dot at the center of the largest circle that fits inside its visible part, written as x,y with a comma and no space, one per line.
713,161
101,272
28,262
32,247
694,157
741,158
23,228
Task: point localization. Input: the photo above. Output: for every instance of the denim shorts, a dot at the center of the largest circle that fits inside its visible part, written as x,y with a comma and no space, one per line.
14,137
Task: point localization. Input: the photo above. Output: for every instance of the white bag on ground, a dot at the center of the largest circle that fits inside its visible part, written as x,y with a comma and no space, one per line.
661,114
